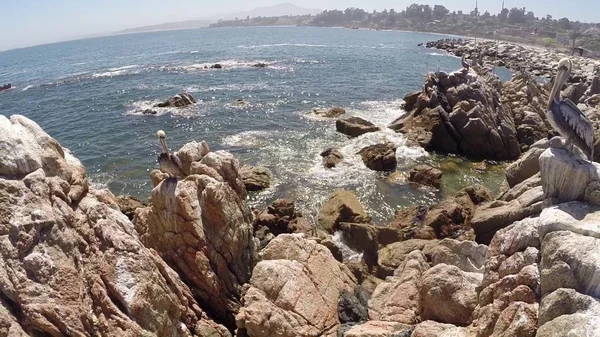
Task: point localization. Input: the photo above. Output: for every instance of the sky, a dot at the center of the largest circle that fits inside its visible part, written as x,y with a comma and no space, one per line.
32,22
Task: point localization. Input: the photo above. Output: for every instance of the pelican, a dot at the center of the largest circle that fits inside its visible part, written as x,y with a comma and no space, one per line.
168,163
566,118
464,63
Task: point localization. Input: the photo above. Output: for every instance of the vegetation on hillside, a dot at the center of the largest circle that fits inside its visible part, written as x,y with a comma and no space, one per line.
516,24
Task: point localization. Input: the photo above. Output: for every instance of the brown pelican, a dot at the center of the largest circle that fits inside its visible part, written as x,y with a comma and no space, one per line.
566,118
168,163
464,63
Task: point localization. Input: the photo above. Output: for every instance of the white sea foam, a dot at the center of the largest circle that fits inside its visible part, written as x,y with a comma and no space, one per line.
347,252
111,72
283,45
226,64
247,139
28,87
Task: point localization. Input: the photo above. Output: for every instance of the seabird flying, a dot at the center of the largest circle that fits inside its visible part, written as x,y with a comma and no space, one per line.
566,118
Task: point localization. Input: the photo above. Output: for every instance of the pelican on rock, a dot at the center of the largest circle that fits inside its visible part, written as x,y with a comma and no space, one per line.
566,118
168,163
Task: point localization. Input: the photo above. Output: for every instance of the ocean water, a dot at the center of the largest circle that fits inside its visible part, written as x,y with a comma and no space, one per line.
89,95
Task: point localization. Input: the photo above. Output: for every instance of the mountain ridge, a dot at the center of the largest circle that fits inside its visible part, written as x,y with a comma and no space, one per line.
283,9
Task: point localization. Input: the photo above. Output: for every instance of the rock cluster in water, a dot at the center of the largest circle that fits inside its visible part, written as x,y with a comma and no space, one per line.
196,261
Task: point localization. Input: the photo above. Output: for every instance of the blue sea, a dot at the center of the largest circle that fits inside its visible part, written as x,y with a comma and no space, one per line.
90,94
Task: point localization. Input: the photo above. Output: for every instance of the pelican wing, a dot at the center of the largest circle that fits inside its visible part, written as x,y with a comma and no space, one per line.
579,123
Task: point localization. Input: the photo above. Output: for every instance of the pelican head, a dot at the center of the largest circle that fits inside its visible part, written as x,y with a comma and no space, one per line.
564,71
163,141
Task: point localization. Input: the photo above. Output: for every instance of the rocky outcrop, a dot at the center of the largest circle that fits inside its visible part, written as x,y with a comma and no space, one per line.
379,329
355,126
380,157
507,303
398,299
255,178
426,175
279,218
527,100
128,204
567,176
331,157
71,263
178,101
453,217
527,166
449,294
461,113
342,206
201,226
294,290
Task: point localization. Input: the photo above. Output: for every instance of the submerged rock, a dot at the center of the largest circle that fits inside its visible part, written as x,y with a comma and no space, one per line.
329,113
355,126
426,175
380,157
178,101
331,157
72,263
216,66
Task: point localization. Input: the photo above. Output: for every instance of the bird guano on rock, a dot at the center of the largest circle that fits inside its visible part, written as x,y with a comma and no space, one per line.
566,118
168,163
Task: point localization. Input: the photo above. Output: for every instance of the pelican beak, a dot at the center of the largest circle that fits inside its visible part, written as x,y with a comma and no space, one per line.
163,143
561,78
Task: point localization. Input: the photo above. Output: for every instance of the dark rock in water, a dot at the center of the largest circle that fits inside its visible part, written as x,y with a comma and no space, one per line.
149,112
260,65
426,175
255,178
216,66
420,44
128,204
329,113
350,309
355,126
331,157
178,101
6,87
380,157
240,103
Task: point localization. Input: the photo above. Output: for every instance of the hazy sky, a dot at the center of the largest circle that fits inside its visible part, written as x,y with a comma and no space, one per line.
30,22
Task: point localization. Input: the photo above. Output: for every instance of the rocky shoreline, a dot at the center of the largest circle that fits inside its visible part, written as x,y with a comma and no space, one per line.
197,261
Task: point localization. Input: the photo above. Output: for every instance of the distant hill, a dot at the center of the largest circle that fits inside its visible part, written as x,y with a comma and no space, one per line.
285,9
190,24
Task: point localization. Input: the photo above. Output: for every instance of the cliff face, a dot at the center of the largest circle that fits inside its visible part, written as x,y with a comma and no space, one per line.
71,262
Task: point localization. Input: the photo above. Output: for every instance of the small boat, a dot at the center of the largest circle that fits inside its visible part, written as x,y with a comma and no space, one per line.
6,87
